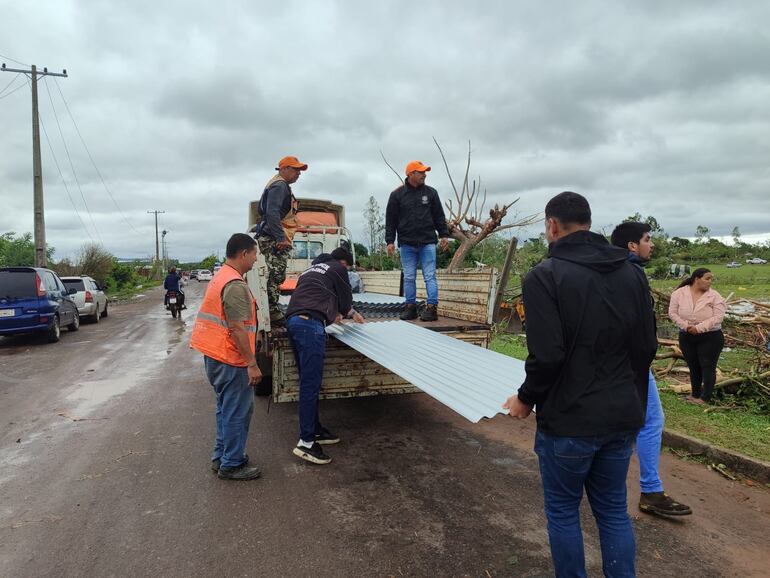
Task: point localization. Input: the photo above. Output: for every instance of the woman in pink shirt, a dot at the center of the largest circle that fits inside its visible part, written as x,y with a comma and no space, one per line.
698,311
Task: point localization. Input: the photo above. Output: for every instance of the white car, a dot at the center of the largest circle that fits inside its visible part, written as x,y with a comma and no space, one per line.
90,299
204,275
756,261
733,265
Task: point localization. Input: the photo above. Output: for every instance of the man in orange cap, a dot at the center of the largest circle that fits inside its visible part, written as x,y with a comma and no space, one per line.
415,215
275,231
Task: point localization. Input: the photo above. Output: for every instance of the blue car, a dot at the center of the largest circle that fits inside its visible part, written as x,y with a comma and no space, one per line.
34,300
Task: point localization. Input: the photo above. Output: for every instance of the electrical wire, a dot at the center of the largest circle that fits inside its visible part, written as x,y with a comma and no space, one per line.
13,79
98,172
72,166
13,60
10,93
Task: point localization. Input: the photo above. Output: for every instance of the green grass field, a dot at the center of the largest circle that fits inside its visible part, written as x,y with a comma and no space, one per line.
749,281
735,428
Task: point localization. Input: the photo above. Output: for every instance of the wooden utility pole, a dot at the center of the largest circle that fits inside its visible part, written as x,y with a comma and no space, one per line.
157,241
41,260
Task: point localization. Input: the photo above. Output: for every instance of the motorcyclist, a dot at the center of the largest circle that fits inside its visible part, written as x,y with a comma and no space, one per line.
174,282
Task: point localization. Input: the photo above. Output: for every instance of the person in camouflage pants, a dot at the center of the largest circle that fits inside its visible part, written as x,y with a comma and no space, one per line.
275,230
276,260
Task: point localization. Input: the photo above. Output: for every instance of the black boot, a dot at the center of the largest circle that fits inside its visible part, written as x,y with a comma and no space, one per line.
430,313
409,313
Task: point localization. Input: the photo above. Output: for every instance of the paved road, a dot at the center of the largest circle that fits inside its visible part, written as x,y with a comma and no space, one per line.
104,442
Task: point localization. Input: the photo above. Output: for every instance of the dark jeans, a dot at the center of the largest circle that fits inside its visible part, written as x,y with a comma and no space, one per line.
235,404
600,465
308,340
701,352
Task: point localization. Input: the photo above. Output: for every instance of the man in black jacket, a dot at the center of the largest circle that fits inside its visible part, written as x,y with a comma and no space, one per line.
591,338
414,213
322,297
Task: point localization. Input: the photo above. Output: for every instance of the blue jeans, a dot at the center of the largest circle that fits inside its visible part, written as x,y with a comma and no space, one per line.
308,340
648,441
235,404
598,464
425,255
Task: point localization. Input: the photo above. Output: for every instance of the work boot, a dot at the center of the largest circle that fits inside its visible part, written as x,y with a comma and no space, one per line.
429,313
242,472
326,437
409,313
216,463
661,503
314,454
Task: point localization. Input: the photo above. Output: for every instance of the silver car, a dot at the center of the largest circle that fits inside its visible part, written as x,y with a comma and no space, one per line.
89,297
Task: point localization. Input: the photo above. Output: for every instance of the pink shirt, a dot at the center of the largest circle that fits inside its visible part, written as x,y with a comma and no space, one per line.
705,315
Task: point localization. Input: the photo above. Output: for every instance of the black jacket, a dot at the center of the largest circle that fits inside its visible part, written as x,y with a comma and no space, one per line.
591,338
274,205
415,214
322,291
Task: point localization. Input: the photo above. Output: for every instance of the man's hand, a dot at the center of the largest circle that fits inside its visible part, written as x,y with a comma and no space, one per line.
358,318
283,245
338,319
444,244
692,330
255,375
391,249
516,408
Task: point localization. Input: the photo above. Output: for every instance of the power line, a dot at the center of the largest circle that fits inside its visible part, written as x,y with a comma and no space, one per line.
72,166
13,60
10,93
10,83
64,182
98,172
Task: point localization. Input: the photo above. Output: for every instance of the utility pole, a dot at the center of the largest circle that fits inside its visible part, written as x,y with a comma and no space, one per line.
157,241
41,260
165,251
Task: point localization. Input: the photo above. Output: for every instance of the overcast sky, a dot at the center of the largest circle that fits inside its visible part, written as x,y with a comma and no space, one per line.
657,107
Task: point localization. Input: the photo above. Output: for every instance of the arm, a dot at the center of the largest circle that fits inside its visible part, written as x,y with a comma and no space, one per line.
545,338
241,339
391,218
342,289
719,307
673,310
276,196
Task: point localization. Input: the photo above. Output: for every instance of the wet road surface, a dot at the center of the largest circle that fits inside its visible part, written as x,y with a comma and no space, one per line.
104,445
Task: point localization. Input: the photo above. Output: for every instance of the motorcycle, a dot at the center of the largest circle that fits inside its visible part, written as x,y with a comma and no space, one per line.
174,303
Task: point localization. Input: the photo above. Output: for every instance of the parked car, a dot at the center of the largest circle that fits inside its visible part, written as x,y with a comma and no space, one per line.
756,261
734,265
204,275
194,274
34,300
89,297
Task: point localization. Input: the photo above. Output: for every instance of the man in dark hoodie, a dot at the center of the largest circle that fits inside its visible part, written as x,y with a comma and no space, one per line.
414,214
322,296
275,231
635,237
591,338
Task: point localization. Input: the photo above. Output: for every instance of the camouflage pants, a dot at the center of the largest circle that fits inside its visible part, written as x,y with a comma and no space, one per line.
276,264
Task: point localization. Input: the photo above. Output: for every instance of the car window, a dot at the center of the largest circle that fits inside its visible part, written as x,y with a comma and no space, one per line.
59,285
74,284
49,282
299,250
17,284
315,248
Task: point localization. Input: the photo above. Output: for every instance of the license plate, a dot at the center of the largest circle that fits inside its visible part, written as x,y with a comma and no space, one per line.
7,312
172,300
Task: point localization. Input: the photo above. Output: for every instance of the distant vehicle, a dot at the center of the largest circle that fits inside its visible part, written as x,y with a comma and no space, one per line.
194,274
89,297
734,265
34,300
217,268
204,275
756,261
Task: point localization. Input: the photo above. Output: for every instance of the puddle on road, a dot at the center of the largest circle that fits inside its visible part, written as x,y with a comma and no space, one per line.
92,394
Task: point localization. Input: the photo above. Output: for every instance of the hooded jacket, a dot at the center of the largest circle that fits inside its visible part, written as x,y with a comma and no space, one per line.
591,339
414,214
322,291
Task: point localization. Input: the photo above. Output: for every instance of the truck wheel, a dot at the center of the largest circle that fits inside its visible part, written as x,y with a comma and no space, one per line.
54,330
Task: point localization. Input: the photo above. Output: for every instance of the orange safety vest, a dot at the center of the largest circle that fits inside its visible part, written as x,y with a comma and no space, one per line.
210,334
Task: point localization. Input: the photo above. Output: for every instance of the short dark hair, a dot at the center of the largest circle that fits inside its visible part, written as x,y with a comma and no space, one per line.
569,208
629,232
237,243
342,254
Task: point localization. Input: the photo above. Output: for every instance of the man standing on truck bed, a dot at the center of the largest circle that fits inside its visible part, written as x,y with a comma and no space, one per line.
322,297
275,231
414,214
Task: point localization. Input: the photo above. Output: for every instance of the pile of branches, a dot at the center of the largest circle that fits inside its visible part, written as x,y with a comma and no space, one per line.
748,330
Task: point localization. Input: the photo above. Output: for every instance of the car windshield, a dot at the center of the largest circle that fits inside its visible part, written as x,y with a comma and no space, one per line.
17,284
74,284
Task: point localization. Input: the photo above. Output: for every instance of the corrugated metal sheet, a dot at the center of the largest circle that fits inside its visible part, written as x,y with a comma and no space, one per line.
472,381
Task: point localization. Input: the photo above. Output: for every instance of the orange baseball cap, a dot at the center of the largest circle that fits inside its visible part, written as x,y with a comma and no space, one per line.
291,162
416,166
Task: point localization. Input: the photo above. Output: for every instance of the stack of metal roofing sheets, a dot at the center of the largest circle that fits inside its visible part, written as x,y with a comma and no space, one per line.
471,380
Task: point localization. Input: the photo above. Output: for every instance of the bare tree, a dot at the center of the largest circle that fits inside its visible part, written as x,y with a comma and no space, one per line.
95,261
466,222
374,225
